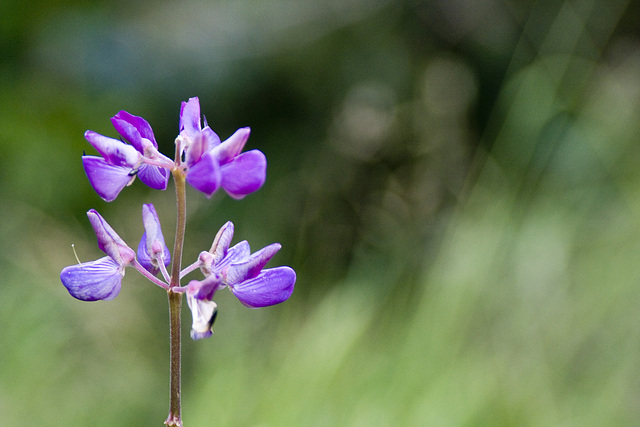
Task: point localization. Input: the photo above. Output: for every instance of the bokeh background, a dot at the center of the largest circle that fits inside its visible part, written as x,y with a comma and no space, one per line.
456,183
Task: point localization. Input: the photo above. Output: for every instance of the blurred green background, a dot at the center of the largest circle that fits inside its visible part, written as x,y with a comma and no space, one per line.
456,183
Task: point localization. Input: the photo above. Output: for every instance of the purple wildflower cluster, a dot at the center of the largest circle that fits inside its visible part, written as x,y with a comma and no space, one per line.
207,164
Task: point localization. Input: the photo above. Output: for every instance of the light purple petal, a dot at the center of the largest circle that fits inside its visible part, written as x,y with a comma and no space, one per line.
229,149
152,246
190,117
132,128
205,176
251,267
236,254
114,151
270,287
109,241
106,179
244,174
154,176
93,281
222,241
143,256
200,143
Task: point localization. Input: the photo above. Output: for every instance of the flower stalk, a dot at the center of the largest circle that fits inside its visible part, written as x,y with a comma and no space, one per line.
207,164
175,302
175,305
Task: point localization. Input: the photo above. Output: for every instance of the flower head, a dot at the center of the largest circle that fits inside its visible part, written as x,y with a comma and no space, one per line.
212,164
120,162
100,279
243,273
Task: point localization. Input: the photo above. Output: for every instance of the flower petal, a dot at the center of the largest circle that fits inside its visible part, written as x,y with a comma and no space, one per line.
109,241
222,241
114,151
200,143
190,117
152,247
270,287
236,254
205,176
154,176
106,179
203,313
133,128
203,309
251,267
229,149
93,281
244,174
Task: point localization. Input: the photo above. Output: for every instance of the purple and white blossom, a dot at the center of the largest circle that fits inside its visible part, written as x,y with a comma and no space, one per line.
100,279
207,164
120,162
212,164
243,273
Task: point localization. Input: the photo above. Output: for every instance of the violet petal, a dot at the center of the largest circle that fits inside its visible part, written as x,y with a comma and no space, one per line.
114,151
106,179
230,148
154,176
222,241
109,241
93,281
272,286
190,117
251,267
132,128
152,245
244,174
205,176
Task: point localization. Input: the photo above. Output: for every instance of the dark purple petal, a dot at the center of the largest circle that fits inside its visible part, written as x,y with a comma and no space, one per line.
270,287
132,128
109,241
229,149
154,176
114,151
106,179
244,174
190,117
93,281
251,267
205,176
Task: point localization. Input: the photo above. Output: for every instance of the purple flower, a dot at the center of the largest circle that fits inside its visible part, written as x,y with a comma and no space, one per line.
100,279
243,273
152,250
212,164
120,162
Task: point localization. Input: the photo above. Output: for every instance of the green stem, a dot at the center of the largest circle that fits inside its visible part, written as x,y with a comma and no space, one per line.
175,304
175,301
181,204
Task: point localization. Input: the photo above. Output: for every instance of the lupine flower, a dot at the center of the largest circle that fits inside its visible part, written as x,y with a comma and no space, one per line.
120,162
212,164
243,273
152,250
100,279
